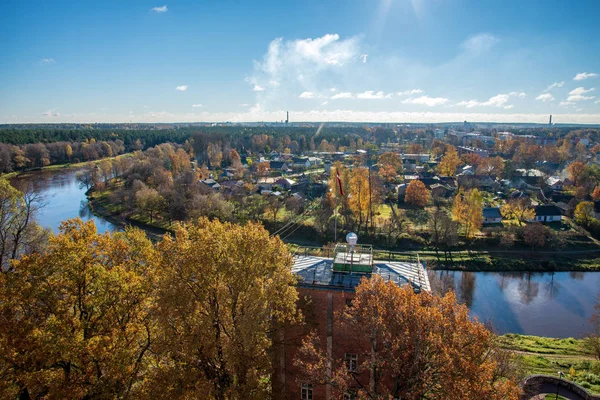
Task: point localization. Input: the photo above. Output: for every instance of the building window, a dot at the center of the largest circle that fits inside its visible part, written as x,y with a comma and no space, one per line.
351,362
306,392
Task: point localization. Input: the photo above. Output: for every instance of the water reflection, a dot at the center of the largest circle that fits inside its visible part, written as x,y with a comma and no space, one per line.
549,304
63,197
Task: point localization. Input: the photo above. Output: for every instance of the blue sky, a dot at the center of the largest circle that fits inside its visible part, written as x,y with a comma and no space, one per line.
356,60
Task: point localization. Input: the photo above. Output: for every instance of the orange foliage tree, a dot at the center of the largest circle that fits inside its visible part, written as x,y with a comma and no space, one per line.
417,194
410,346
390,165
596,193
577,172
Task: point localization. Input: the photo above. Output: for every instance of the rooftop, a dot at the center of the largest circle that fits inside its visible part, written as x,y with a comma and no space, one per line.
318,272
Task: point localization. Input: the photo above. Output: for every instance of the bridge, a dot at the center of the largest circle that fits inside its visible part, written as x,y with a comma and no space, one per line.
536,385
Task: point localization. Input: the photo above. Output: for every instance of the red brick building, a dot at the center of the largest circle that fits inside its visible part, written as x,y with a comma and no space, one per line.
325,287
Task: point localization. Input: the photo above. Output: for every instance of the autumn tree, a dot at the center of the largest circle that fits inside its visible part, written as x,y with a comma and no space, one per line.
149,201
584,213
577,172
471,159
417,194
19,232
87,177
68,151
365,194
449,163
215,155
468,211
390,165
534,235
236,163
262,168
409,346
518,209
492,166
75,320
443,231
222,288
180,162
596,193
274,205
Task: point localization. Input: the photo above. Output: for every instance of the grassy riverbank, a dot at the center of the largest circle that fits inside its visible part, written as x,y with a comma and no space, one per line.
542,355
462,260
60,166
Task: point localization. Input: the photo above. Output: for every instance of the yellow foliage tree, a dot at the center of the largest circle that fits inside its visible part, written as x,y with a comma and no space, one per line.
222,288
468,211
449,162
584,213
519,210
74,321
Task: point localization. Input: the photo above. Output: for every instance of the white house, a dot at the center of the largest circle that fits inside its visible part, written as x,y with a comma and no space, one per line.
555,183
547,213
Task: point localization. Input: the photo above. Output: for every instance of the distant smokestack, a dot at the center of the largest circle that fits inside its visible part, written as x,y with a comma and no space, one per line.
550,122
287,118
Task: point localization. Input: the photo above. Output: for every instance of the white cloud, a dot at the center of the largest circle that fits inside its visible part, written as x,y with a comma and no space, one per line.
409,92
332,89
257,113
324,103
197,105
545,97
520,95
48,61
479,43
427,101
364,57
597,101
577,94
584,75
51,113
342,95
182,88
565,103
307,95
258,88
161,9
508,107
301,65
555,85
371,94
245,105
499,100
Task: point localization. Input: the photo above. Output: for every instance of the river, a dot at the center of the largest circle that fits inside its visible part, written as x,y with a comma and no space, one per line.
62,196
545,304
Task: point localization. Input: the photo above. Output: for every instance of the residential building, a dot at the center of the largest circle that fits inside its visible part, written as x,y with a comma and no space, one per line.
326,286
492,215
547,213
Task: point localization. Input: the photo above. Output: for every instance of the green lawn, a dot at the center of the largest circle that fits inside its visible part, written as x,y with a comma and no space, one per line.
542,355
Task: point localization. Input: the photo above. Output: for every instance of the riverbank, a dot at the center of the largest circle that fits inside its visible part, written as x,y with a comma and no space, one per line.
60,166
461,260
547,356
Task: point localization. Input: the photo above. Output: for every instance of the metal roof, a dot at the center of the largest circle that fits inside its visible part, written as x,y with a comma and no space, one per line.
313,271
